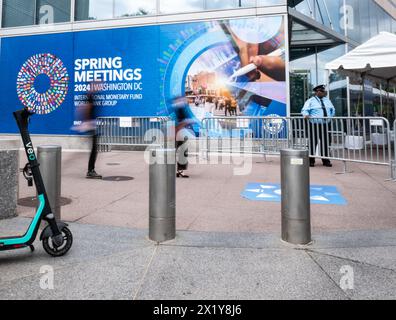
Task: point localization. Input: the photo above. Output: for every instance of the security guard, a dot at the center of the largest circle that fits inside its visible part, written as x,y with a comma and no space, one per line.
316,109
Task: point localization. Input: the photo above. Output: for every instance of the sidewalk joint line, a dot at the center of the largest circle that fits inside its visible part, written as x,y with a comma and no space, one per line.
351,260
145,273
328,275
104,207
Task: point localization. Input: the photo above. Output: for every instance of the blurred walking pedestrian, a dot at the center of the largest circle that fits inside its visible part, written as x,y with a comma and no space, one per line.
184,119
87,114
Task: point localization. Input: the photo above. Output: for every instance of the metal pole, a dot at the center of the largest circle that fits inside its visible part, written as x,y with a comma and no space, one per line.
364,96
381,102
162,195
296,211
1,14
73,11
394,150
50,160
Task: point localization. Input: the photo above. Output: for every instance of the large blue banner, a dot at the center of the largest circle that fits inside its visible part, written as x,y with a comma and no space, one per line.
223,68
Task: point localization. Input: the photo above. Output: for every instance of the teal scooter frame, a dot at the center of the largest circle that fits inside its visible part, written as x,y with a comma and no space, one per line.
57,239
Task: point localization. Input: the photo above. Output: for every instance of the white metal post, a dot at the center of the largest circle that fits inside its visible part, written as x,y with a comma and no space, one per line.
1,14
394,110
328,83
287,63
158,9
348,90
364,95
72,10
35,15
381,100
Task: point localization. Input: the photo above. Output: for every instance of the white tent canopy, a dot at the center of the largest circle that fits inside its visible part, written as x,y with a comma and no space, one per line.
375,58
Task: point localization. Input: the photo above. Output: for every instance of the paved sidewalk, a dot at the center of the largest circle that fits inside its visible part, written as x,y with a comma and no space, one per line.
120,263
211,200
227,247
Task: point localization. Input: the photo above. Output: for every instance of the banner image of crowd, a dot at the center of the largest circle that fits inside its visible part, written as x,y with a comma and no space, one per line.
223,68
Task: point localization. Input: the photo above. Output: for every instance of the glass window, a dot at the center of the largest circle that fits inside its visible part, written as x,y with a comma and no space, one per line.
373,12
306,7
338,84
326,12
27,12
267,3
94,9
364,20
384,22
305,74
303,78
127,8
331,13
358,20
229,4
18,13
179,6
222,4
109,9
52,11
394,26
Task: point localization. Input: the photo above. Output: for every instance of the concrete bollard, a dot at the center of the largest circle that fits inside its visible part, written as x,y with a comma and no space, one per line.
9,177
50,160
162,195
296,206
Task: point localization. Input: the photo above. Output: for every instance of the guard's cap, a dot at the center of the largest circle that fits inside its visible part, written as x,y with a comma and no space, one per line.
321,87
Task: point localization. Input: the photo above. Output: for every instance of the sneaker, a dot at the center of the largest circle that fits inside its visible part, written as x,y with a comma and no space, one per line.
93,175
180,174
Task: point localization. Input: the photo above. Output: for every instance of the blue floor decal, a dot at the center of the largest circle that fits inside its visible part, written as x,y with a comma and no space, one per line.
272,193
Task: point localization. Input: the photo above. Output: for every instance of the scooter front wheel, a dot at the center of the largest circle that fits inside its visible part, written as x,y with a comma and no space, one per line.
55,251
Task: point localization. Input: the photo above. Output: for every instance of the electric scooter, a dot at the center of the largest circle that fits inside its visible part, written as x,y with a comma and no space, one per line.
57,239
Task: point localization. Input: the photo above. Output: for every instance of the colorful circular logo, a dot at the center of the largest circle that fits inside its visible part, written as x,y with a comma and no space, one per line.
274,124
42,83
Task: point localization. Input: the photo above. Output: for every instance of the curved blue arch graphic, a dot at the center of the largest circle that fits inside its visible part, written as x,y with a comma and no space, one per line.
189,55
185,56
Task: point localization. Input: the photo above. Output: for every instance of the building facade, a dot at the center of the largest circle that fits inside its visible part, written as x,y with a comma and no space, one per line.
144,53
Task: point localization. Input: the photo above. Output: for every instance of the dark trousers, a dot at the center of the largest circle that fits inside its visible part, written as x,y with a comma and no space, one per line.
94,153
181,156
319,136
227,110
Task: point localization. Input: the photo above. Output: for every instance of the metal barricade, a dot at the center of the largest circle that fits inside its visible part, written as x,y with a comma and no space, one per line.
253,135
348,139
351,139
131,131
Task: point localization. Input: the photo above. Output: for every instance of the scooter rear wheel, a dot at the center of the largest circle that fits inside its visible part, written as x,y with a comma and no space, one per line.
54,251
